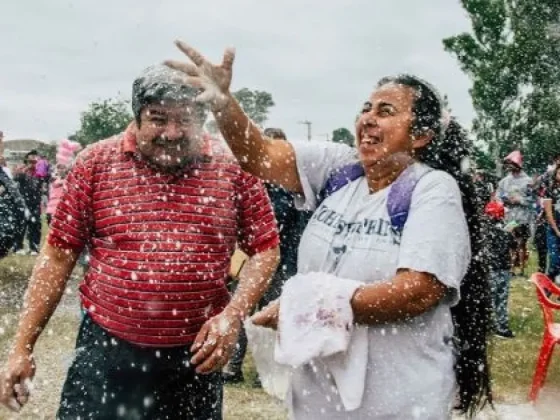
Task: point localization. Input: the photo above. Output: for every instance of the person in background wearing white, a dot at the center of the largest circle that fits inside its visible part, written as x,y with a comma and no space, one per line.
515,192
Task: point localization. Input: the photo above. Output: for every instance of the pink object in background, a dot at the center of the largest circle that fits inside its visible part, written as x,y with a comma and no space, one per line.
67,150
42,168
55,192
515,157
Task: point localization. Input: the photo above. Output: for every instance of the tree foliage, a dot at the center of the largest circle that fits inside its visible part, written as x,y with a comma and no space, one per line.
48,150
343,135
102,120
512,57
255,103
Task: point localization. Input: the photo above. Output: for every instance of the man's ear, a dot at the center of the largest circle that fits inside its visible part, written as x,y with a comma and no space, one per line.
421,140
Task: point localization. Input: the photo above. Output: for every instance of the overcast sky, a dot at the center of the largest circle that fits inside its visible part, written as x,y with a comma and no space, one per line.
319,59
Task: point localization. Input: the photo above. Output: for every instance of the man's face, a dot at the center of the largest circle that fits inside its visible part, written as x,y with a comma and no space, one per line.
32,161
511,167
170,135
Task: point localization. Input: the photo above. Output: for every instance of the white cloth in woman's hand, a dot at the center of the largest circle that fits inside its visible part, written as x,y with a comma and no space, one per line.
316,325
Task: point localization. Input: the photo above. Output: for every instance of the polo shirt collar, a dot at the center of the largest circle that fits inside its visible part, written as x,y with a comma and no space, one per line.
129,142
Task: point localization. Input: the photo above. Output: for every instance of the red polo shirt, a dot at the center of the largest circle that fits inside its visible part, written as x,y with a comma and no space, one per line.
160,244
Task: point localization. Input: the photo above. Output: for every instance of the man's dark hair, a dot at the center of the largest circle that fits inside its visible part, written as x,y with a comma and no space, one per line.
275,133
160,84
30,153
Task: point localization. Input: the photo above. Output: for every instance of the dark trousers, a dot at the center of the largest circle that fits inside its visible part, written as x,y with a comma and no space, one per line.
499,286
553,242
111,378
541,246
33,229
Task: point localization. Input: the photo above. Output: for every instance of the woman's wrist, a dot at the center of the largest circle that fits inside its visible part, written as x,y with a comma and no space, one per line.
221,102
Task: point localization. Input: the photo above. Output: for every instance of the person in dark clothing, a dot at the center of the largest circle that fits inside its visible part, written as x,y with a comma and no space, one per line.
291,223
540,242
484,186
500,264
539,239
12,213
31,188
551,204
540,187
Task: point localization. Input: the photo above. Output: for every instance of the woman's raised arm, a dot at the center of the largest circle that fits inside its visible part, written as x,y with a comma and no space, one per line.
271,160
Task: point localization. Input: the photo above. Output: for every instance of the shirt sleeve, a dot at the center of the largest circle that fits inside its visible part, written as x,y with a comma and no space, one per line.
436,238
257,230
501,193
71,222
315,163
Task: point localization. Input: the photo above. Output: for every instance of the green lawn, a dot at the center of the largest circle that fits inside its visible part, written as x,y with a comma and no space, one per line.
513,360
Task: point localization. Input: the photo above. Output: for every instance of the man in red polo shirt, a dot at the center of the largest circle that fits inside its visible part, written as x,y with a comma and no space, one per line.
161,209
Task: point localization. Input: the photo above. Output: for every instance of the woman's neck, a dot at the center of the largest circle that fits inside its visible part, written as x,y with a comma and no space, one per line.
382,175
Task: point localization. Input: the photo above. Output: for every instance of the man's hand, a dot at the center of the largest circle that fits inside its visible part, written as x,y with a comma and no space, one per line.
268,317
216,341
15,380
215,80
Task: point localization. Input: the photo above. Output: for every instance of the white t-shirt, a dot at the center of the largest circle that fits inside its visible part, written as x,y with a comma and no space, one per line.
517,186
410,371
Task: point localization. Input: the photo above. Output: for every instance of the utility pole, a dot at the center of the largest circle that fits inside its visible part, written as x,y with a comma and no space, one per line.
326,135
308,124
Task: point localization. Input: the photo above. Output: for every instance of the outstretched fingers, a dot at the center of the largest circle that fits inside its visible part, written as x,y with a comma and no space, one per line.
229,58
196,57
187,68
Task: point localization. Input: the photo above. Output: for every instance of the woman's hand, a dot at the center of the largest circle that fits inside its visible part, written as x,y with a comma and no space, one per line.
268,317
214,80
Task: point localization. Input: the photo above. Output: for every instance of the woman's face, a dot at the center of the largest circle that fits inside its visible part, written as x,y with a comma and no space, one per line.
383,129
557,175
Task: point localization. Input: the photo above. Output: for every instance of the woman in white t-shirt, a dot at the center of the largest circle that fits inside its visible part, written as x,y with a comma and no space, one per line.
425,301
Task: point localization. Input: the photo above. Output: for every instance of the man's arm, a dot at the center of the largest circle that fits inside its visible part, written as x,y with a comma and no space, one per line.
46,287
254,280
217,338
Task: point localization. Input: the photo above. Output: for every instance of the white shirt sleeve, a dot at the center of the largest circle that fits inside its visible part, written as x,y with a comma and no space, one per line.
315,162
435,238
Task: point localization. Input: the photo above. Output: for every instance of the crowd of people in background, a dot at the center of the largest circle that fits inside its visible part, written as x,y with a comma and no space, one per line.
38,183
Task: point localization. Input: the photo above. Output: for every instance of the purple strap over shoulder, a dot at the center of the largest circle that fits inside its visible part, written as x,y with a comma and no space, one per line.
400,193
341,177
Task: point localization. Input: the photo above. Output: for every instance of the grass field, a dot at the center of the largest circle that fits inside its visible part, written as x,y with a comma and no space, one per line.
512,360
